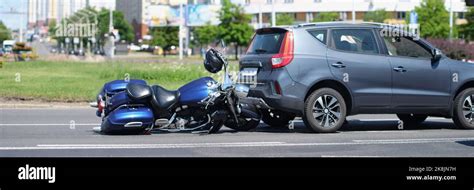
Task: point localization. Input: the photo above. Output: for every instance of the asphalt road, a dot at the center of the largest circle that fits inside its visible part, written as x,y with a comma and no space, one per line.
68,133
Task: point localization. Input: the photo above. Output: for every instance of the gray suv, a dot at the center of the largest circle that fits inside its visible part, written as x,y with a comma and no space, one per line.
327,71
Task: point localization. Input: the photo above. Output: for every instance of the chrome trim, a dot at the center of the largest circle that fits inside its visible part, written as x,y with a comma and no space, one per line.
242,90
94,104
134,124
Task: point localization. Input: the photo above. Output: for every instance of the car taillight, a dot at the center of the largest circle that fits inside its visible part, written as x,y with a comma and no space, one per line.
286,54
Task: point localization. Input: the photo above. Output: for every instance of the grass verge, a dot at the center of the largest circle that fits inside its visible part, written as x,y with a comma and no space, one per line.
81,81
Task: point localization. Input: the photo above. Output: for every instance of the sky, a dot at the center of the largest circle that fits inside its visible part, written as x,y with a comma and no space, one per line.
13,21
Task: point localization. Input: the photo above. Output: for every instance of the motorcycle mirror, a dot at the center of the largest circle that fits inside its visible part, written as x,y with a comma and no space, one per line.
222,42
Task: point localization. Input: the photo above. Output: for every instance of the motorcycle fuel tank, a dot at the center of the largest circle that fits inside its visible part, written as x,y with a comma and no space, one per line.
196,90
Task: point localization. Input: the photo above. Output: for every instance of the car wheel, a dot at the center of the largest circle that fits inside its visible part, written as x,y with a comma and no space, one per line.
325,111
463,113
412,120
275,118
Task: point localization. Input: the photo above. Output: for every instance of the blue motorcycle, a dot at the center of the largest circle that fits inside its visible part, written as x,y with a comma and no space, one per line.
204,105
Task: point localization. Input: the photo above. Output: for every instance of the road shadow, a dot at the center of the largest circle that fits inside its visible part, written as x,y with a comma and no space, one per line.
357,125
466,143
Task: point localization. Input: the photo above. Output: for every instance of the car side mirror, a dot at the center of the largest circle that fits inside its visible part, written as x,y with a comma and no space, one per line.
437,54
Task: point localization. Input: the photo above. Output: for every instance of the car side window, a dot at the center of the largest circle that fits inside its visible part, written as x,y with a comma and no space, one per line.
402,46
354,40
319,34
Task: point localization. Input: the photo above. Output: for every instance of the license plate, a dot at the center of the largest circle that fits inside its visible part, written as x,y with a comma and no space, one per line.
249,72
248,76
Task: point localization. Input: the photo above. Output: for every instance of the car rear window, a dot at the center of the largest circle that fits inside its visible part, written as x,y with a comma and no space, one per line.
266,43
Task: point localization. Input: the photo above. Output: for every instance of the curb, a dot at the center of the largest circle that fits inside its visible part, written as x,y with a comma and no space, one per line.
43,106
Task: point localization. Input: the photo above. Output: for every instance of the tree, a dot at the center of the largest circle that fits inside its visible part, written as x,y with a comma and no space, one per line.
5,33
467,30
125,29
284,19
376,16
206,34
326,16
234,27
165,37
434,19
52,28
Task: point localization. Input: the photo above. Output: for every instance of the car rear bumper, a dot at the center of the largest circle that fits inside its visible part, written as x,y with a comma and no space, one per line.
291,97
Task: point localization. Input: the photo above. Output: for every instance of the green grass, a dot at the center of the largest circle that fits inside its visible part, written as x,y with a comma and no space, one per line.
81,81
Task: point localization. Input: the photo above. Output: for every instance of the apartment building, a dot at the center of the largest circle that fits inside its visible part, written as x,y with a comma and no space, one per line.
307,10
41,12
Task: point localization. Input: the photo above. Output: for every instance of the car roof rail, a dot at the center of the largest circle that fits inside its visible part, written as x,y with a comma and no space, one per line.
339,22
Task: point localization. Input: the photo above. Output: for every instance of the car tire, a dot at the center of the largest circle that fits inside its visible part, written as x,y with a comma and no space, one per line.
275,118
325,111
412,120
463,109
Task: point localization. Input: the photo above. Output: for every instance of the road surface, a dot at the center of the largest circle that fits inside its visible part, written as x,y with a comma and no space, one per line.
68,133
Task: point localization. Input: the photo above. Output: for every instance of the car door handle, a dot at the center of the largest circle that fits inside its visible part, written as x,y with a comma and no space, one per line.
338,65
400,69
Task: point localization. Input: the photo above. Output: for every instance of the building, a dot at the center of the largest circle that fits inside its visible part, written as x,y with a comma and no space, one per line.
137,11
306,10
41,12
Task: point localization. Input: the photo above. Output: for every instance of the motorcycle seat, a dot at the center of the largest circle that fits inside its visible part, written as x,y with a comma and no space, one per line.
163,98
138,91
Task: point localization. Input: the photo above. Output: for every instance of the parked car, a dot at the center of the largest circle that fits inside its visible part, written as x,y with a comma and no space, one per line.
325,72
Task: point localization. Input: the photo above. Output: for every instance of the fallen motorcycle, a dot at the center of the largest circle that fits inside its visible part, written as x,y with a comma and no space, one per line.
203,105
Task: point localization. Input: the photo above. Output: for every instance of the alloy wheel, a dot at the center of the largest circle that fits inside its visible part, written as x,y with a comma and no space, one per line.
468,109
327,111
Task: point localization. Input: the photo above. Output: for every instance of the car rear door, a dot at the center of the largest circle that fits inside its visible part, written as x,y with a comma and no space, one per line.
418,81
257,60
355,59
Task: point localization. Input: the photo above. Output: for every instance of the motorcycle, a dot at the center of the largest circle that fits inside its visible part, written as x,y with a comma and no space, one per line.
203,105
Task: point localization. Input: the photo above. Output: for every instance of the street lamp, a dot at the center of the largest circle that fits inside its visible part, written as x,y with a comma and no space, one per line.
451,19
16,12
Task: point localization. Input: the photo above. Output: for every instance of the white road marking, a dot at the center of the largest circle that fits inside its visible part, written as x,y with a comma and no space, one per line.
49,124
415,140
230,145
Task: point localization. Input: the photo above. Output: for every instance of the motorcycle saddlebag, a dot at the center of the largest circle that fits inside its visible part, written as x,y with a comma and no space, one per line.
128,120
117,86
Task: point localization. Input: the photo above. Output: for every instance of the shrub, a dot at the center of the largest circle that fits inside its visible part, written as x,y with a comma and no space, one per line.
455,49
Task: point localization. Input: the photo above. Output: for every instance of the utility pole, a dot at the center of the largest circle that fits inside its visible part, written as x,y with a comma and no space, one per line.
451,22
260,21
273,14
353,12
111,29
180,34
